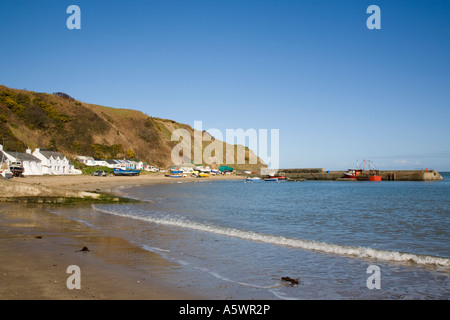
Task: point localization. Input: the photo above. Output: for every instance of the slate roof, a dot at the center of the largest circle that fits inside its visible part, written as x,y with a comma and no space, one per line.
54,154
20,156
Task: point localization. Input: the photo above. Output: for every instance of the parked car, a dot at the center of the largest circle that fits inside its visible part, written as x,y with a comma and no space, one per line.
100,173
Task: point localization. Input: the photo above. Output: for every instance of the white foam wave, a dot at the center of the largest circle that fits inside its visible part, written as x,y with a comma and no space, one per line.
360,252
217,275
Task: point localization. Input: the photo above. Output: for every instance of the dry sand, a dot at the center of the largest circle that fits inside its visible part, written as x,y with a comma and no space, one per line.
36,248
108,184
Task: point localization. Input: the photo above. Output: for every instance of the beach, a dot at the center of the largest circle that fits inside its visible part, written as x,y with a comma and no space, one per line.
37,247
223,238
110,183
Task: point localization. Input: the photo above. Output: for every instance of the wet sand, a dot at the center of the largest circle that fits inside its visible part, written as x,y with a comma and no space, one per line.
37,247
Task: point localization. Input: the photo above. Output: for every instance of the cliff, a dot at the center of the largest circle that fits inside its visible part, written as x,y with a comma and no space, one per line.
59,122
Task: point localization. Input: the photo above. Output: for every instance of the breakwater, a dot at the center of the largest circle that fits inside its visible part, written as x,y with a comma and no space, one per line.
322,174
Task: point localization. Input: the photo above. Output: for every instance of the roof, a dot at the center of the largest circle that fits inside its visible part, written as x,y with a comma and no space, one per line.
20,156
84,158
54,154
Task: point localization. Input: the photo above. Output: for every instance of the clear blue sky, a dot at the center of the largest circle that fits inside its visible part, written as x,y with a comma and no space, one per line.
337,91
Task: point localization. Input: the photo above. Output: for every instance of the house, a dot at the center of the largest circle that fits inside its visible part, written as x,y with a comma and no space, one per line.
127,164
112,163
89,161
32,165
134,165
148,167
55,162
101,162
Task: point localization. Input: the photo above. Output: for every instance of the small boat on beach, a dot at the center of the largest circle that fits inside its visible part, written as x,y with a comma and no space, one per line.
16,168
126,172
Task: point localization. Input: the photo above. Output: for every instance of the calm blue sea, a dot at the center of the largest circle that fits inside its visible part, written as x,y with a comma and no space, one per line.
236,239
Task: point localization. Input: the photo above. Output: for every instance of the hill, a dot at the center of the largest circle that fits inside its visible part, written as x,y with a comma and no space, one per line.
59,122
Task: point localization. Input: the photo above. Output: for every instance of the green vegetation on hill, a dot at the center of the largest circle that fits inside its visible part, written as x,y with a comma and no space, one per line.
59,122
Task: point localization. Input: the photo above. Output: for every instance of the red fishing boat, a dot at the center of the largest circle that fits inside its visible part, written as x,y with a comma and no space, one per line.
352,174
366,172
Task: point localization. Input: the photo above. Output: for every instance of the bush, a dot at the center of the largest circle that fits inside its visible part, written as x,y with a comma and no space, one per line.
64,96
51,111
105,151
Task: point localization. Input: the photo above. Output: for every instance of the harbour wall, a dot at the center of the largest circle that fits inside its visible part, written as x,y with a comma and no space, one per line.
322,174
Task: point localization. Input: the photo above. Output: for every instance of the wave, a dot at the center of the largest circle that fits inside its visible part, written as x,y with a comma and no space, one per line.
351,251
272,288
74,219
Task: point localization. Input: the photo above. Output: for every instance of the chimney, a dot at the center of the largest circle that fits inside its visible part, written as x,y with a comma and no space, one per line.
29,151
1,147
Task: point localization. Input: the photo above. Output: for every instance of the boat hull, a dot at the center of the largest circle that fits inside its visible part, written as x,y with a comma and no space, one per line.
123,172
16,171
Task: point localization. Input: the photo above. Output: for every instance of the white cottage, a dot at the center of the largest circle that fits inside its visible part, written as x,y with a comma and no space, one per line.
89,161
32,165
55,163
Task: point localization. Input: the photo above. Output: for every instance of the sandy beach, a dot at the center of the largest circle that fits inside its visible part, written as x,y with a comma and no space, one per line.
37,247
110,183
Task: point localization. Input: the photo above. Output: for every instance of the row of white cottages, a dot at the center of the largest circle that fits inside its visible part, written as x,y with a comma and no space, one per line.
40,162
113,163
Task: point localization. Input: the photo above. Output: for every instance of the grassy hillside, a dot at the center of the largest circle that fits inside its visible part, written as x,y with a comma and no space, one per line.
59,122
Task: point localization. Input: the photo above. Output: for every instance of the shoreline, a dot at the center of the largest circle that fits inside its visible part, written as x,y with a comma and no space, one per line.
108,184
74,189
37,246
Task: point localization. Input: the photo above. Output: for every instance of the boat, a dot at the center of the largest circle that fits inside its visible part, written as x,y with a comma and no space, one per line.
203,169
203,175
126,172
6,173
271,179
366,172
352,173
279,178
4,168
174,176
16,168
252,179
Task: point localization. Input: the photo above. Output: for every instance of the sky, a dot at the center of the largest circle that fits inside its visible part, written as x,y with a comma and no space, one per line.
337,91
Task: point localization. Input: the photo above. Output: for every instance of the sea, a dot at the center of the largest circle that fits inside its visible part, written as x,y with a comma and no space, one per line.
249,240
